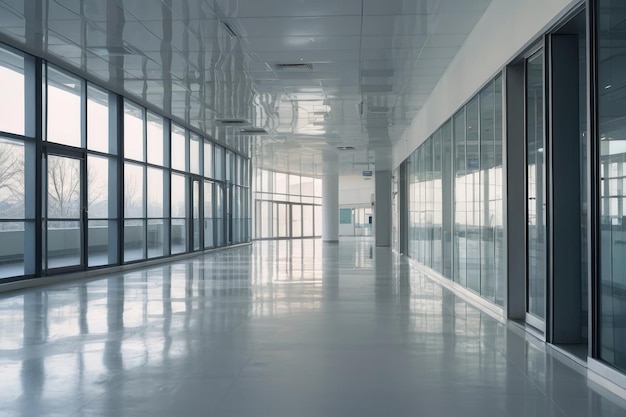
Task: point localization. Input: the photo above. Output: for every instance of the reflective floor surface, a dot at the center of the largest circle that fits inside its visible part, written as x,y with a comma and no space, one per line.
289,328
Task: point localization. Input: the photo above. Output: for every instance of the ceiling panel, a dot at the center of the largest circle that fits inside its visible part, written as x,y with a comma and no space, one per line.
303,43
300,26
294,8
398,7
402,25
374,63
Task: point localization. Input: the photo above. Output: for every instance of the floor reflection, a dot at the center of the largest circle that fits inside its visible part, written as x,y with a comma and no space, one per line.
279,328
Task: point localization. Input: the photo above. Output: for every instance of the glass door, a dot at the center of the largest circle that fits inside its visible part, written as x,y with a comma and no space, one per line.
536,254
196,215
65,213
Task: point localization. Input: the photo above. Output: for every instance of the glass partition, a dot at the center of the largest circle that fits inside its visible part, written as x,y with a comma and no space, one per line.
454,183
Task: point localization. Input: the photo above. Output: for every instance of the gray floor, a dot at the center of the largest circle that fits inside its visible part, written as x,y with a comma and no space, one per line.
288,328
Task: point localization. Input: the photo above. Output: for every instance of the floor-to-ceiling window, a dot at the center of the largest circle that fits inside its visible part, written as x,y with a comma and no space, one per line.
90,179
287,205
456,206
17,191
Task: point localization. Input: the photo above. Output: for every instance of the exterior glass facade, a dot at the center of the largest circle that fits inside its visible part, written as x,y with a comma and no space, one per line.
119,183
287,205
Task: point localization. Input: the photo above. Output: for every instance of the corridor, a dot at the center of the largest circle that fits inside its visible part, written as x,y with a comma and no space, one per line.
280,328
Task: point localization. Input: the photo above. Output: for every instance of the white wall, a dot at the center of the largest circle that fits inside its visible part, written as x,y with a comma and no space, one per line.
355,191
507,28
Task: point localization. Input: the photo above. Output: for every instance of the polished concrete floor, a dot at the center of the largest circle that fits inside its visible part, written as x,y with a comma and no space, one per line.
290,328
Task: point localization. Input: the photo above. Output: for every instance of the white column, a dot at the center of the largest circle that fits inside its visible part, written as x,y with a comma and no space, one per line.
330,208
382,208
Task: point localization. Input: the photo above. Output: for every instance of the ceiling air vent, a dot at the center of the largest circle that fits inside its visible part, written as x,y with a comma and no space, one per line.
257,131
297,67
232,122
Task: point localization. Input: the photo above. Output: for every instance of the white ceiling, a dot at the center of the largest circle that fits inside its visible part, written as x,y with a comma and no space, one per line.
374,63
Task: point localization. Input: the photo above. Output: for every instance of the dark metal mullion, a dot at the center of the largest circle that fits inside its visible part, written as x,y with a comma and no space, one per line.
40,198
593,178
526,193
84,214
119,111
548,187
144,136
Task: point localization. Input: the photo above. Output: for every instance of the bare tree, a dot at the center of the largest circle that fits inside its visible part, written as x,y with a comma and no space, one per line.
64,183
11,181
63,187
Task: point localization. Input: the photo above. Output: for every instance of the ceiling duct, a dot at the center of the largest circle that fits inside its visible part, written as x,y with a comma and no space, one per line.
297,67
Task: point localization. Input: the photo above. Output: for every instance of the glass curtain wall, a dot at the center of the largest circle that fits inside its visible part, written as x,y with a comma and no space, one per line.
17,168
611,181
287,205
461,163
115,184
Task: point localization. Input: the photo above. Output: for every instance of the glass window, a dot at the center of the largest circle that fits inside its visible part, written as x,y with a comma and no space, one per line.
12,99
472,190
460,199
155,139
219,162
63,187
133,132
229,166
98,120
12,192
294,184
179,196
179,148
487,193
102,248
194,154
134,204
155,238
155,192
134,240
208,159
536,187
208,215
98,187
64,108
281,183
179,213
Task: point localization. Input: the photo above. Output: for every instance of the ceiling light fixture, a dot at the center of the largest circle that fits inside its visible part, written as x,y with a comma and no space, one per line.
346,148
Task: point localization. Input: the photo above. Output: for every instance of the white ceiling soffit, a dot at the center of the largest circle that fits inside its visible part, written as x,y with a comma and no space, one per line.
311,76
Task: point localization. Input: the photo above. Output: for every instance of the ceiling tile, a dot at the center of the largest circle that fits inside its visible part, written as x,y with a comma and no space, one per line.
294,8
301,26
303,43
398,25
398,7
